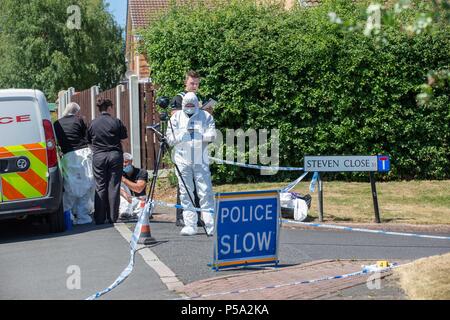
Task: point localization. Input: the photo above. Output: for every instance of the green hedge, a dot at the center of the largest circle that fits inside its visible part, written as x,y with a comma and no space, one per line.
328,91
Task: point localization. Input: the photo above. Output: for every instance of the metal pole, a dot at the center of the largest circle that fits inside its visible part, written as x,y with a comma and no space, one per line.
135,127
375,197
320,198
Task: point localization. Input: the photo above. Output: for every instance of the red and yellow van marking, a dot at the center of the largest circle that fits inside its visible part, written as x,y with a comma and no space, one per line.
32,183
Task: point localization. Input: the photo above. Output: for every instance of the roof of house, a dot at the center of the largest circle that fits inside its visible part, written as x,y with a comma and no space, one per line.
142,12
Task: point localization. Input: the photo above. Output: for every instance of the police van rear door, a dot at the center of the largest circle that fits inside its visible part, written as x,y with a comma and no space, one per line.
23,153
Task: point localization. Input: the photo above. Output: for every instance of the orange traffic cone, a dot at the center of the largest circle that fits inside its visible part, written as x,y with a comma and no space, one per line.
146,236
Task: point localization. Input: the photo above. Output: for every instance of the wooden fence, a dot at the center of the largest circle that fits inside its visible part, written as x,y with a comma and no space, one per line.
136,109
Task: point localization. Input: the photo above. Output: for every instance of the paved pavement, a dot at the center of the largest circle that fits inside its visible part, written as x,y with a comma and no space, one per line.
284,283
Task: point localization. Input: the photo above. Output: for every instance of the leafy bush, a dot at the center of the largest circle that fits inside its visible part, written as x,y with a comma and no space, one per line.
39,50
328,91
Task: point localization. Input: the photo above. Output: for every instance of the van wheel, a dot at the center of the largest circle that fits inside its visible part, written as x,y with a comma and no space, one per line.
56,220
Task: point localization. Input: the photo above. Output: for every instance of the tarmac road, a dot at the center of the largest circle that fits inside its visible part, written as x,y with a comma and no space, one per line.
34,264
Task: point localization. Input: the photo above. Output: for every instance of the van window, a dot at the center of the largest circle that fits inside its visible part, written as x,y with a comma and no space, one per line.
20,122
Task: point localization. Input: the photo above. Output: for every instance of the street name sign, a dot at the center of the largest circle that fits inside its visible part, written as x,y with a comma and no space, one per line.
346,163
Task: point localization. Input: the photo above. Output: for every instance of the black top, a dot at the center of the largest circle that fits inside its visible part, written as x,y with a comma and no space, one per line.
105,133
135,176
71,133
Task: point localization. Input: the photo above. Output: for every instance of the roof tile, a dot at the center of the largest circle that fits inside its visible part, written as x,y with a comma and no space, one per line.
145,11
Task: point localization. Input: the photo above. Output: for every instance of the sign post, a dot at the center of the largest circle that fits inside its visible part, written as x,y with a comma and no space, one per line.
319,178
369,164
375,197
247,229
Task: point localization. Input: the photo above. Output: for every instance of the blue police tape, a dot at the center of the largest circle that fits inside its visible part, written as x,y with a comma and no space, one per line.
288,188
254,166
293,184
178,206
329,226
314,179
364,271
133,246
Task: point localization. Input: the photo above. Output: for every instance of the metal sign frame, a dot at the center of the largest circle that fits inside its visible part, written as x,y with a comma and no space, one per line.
245,261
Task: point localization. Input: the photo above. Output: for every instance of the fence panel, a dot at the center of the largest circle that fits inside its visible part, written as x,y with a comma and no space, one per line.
111,95
148,115
125,116
146,109
84,101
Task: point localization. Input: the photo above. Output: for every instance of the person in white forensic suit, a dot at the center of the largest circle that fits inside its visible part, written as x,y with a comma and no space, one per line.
190,131
76,163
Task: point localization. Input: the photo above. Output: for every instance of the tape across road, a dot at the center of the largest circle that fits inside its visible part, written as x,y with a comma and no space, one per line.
178,206
254,166
317,225
133,246
326,226
149,207
330,226
288,188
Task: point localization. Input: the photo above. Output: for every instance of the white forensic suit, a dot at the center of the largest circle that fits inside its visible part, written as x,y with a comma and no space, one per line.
191,136
133,209
79,185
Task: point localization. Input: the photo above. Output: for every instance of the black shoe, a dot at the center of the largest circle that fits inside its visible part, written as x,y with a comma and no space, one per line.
179,223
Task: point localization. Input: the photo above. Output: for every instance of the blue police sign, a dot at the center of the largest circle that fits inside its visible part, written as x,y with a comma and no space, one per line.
247,228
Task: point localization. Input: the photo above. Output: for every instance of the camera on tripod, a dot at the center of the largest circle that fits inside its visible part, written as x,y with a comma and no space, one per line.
164,104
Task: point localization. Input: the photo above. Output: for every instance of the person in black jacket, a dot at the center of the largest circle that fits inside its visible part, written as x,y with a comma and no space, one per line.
105,134
76,163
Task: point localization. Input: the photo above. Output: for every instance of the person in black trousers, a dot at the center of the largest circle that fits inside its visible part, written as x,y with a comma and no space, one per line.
105,134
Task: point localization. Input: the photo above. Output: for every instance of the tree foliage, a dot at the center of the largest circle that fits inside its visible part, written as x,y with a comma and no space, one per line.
39,50
328,91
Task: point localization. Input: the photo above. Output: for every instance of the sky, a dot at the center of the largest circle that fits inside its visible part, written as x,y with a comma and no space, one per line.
119,9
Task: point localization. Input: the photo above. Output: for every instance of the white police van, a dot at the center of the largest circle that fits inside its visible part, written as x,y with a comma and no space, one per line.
30,179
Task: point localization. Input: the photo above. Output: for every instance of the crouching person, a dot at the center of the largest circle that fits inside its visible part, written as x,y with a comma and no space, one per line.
132,189
76,163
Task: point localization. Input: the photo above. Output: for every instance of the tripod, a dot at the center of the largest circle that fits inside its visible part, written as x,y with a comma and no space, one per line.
163,144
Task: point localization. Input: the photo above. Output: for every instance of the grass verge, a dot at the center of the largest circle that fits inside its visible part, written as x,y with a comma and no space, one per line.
409,202
427,278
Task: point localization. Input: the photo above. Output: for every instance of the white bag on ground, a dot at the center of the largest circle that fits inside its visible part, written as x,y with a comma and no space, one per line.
134,208
79,184
299,206
300,210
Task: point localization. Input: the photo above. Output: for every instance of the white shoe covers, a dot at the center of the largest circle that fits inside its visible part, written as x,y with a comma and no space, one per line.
188,231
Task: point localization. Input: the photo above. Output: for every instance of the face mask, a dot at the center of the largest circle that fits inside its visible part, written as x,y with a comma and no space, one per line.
128,168
189,111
